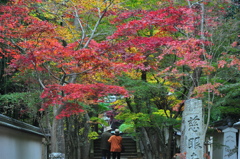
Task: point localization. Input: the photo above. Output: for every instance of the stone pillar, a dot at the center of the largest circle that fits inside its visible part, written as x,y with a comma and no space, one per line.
229,142
192,141
237,126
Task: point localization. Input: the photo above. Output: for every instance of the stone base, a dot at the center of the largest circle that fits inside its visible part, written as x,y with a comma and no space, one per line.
57,155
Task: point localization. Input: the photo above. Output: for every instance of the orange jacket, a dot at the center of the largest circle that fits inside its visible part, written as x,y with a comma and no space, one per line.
116,142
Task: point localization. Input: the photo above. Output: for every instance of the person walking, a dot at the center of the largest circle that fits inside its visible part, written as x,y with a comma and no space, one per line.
105,145
116,144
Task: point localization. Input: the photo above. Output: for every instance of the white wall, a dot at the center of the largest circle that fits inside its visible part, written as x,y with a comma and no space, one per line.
16,144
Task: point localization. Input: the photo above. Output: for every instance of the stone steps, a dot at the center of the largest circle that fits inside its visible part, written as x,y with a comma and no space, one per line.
129,144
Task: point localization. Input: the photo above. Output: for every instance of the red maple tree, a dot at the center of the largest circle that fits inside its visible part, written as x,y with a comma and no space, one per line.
170,44
70,75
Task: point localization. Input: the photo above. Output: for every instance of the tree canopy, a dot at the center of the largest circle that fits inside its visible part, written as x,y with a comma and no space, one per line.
155,56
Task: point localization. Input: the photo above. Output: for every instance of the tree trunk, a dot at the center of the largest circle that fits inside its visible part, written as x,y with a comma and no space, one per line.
85,149
162,143
72,137
57,136
169,144
148,154
154,143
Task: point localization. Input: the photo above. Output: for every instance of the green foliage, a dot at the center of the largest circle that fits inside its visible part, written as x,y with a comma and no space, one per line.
139,119
103,107
140,4
127,128
105,29
150,104
7,85
161,119
25,98
132,121
145,93
222,38
93,135
23,106
44,16
4,1
233,10
228,104
98,120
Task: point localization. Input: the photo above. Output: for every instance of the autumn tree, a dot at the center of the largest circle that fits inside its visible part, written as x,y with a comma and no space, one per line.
67,68
164,56
168,57
226,42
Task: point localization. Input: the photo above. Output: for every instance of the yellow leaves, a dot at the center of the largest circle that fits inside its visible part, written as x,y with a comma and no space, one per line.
154,79
161,33
161,112
48,15
170,84
134,74
131,50
84,5
135,116
156,32
53,63
120,104
58,1
87,5
102,76
77,16
173,84
68,33
165,113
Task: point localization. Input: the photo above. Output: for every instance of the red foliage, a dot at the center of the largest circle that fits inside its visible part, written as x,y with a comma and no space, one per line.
167,18
34,45
210,88
70,109
145,39
190,52
234,44
78,93
137,33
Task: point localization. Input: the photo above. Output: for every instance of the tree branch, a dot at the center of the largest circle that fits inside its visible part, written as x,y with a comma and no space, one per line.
97,24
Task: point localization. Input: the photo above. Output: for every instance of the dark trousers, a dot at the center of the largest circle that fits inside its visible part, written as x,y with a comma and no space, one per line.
116,154
106,154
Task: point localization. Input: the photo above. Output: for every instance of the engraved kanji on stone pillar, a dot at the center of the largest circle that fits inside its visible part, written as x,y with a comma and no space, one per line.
192,130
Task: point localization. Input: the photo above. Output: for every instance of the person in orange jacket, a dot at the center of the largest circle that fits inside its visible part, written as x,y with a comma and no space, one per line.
105,145
116,144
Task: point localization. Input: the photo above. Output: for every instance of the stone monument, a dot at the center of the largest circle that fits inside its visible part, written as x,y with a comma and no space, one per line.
192,140
237,126
230,143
